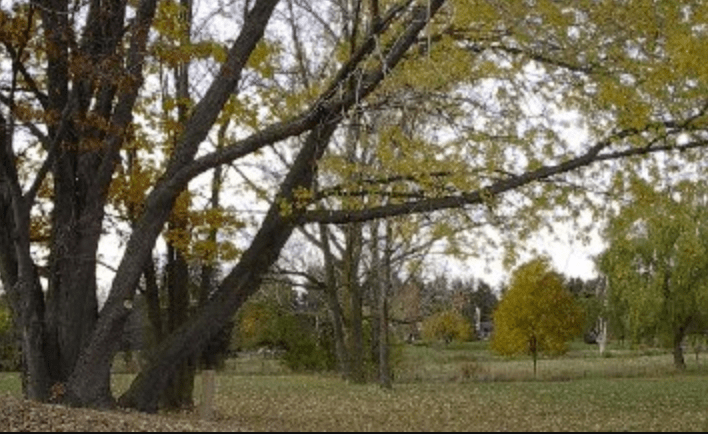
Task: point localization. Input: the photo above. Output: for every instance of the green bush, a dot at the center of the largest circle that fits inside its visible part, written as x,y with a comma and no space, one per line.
305,347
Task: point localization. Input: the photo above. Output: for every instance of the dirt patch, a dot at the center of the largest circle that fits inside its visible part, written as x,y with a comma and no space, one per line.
23,415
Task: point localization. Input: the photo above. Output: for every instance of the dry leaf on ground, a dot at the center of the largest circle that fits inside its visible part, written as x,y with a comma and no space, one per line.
24,415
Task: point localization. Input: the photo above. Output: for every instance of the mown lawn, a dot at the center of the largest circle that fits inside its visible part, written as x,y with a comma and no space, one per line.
310,403
465,388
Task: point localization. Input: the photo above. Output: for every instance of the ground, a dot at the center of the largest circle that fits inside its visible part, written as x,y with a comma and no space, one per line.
455,387
22,415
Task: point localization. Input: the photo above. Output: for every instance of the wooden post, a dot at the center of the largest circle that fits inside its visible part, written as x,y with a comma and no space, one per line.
206,409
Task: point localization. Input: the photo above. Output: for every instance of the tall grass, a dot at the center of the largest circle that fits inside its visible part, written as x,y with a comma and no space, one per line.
473,362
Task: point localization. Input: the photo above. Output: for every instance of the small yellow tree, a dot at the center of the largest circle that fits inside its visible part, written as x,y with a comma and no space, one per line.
447,326
537,314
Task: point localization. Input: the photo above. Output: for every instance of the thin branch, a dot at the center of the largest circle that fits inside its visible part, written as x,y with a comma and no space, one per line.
328,105
27,77
34,129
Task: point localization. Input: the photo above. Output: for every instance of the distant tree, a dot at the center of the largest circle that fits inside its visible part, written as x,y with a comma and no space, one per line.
657,263
486,300
537,314
447,326
588,293
275,318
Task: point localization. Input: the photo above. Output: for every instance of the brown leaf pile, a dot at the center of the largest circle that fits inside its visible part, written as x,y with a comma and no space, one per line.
24,415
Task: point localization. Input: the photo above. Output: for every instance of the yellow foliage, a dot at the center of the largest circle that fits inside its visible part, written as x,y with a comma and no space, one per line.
447,326
537,314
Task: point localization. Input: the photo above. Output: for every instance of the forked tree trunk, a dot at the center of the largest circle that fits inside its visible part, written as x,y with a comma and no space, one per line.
243,281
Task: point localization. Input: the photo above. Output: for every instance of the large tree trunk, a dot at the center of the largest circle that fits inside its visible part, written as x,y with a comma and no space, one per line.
178,393
72,307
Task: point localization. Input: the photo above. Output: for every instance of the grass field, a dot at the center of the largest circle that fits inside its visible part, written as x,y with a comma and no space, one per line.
465,388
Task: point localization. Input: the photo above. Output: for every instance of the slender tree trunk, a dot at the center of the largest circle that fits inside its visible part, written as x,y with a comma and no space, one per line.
679,335
36,380
356,336
152,300
602,335
385,379
335,309
8,255
601,293
534,354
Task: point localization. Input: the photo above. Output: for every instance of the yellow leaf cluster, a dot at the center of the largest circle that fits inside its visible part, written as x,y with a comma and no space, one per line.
537,314
447,326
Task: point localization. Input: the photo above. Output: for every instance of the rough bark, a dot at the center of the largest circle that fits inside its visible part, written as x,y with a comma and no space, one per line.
178,393
72,307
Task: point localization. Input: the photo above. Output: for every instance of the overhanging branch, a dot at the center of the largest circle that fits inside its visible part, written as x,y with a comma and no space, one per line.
593,155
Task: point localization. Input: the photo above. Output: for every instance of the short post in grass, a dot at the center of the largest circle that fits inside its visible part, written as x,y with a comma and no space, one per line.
206,409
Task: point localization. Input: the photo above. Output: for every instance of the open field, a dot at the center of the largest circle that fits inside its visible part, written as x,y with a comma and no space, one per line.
463,388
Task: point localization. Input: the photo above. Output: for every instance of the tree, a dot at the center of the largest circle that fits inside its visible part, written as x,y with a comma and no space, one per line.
276,319
657,262
77,79
447,326
590,295
537,313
